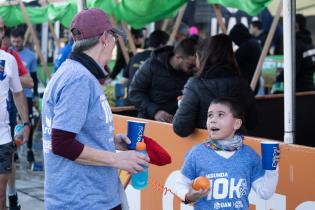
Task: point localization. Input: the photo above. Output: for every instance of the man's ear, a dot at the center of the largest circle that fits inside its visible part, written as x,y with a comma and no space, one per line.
103,39
238,124
178,58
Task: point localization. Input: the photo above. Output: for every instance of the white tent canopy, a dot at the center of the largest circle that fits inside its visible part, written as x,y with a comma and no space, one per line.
305,7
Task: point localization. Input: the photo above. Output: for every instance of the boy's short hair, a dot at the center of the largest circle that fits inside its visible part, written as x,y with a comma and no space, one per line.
234,105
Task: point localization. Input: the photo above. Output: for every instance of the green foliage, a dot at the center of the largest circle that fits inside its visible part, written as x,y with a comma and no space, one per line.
109,92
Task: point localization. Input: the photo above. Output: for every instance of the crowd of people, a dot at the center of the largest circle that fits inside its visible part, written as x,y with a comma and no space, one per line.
18,94
200,82
218,75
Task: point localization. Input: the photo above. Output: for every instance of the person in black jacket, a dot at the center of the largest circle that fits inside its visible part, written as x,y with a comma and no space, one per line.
258,32
248,52
157,39
302,32
218,76
157,84
305,57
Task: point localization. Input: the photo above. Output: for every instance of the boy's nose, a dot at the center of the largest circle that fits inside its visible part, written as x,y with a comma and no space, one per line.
213,120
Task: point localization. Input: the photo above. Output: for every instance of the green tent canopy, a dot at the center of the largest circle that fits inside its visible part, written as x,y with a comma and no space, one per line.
251,7
134,12
12,15
64,13
140,13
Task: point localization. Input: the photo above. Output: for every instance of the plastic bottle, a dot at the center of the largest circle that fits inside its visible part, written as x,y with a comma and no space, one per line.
139,180
17,130
179,100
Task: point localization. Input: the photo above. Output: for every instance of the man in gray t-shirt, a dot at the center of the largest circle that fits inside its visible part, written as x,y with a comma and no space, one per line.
78,140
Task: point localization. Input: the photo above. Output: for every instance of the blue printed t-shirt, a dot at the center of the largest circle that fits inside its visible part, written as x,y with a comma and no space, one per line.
74,101
29,60
230,178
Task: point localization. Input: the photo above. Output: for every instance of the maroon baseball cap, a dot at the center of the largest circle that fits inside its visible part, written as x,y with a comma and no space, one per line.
90,23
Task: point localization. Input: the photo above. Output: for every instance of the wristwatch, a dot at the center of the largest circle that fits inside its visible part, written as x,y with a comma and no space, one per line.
27,124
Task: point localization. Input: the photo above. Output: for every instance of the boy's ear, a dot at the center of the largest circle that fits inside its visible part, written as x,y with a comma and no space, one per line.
237,124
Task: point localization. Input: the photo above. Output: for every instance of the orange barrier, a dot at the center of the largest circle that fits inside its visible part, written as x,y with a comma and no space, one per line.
295,191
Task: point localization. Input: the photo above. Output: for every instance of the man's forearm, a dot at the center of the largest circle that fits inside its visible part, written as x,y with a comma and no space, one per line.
21,105
65,144
90,156
27,81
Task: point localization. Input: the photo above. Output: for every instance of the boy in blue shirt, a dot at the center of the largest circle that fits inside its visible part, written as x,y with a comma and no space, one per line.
232,167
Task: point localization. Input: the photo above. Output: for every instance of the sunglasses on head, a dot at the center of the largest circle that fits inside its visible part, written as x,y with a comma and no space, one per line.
113,34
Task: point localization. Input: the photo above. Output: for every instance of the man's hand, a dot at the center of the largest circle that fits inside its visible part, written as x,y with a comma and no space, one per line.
36,103
21,105
121,141
27,81
131,161
163,116
25,133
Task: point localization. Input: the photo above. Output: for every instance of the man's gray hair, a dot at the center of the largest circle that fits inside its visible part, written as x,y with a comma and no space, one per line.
85,44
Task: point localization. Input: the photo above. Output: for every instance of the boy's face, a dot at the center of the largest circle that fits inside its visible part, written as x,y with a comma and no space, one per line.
221,124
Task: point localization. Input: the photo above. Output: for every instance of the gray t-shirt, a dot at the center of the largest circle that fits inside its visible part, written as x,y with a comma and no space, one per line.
74,101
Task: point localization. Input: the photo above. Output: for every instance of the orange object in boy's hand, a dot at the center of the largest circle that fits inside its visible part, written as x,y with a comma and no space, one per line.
201,182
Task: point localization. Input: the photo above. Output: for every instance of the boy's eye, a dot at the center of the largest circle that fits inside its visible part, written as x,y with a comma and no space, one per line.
221,114
210,115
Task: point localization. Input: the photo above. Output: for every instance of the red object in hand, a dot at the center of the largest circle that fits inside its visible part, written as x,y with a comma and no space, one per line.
157,154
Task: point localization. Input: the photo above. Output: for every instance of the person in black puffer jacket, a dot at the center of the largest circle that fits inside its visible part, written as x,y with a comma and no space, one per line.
160,80
305,57
248,52
218,76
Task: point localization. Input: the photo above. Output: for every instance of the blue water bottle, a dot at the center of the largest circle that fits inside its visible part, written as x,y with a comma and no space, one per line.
139,180
17,130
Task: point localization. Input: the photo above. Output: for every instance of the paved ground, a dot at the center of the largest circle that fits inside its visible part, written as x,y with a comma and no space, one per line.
30,184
